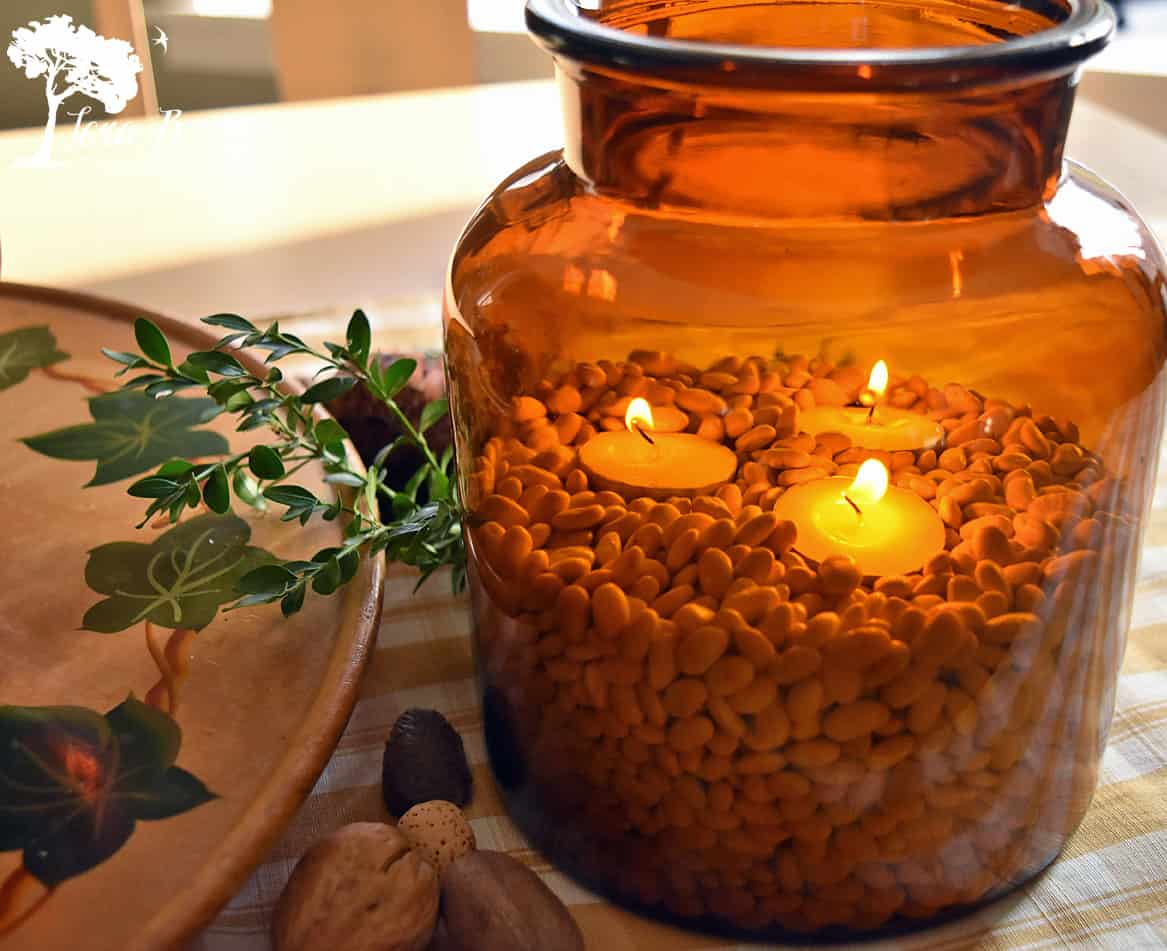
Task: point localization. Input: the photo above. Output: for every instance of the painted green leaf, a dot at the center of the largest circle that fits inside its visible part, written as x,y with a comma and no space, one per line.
74,783
179,580
23,350
131,433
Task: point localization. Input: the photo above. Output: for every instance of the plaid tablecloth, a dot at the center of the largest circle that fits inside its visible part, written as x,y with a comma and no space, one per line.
1108,890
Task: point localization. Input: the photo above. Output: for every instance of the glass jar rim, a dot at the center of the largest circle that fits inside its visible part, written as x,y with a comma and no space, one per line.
560,28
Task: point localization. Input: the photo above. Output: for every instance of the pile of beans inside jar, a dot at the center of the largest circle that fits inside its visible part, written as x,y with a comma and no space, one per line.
729,731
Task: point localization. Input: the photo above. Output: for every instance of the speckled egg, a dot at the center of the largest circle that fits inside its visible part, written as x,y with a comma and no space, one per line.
439,830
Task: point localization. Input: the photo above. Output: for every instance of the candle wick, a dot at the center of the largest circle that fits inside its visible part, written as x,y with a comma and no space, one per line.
647,438
850,501
871,413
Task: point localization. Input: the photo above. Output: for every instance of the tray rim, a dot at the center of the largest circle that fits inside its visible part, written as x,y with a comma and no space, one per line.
309,750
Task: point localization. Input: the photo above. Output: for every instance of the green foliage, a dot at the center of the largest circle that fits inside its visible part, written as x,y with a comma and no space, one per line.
426,536
24,350
74,783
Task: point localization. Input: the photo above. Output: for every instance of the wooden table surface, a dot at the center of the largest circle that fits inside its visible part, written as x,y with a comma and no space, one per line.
296,207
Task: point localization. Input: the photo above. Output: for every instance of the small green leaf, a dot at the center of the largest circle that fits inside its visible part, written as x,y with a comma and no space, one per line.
265,462
415,482
130,360
349,563
142,381
432,413
327,579
174,467
152,341
231,322
350,479
359,337
291,602
216,493
222,390
162,389
294,495
266,579
329,389
439,484
238,401
154,487
328,430
215,361
193,373
246,488
394,378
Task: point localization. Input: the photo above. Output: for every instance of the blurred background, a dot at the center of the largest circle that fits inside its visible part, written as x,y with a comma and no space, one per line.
330,151
241,52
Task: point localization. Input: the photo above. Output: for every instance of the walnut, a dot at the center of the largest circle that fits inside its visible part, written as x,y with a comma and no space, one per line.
361,889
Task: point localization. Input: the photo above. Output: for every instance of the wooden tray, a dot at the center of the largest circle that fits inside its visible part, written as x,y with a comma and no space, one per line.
247,707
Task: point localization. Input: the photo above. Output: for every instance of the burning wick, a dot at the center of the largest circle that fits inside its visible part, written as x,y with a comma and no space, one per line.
876,386
870,485
638,416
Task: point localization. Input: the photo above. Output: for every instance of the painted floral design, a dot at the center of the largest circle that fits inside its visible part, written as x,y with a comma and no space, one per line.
132,432
24,350
179,580
74,783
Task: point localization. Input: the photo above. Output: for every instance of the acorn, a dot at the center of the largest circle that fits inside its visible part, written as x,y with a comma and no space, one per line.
424,760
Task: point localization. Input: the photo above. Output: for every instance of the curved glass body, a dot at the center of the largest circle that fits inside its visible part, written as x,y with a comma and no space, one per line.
685,707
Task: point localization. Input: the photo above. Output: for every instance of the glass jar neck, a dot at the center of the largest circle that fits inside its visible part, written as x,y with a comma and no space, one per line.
886,155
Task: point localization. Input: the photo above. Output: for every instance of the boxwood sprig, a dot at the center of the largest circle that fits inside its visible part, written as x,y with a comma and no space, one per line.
427,536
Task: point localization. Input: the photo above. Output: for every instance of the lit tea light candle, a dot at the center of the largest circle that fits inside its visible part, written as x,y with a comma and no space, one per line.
870,425
641,460
888,531
665,419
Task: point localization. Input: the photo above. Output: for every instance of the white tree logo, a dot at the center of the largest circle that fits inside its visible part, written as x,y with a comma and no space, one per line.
74,59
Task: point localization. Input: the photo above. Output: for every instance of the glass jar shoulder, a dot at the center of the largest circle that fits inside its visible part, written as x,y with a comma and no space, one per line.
1075,282
543,213
1105,232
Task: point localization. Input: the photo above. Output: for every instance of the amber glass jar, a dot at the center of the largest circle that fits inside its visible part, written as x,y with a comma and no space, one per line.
708,693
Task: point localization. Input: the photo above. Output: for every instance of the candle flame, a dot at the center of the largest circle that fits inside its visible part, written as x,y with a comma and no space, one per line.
638,412
876,385
870,483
